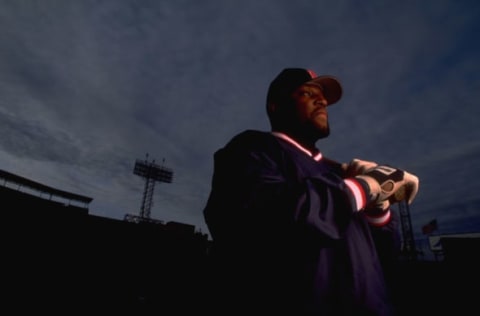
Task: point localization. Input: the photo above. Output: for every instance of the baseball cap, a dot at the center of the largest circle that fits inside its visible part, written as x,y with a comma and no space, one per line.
289,79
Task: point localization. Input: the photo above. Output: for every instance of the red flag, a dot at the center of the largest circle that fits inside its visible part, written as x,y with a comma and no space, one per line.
430,227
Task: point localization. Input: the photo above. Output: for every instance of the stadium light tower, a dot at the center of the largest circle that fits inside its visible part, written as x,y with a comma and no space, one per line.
152,173
409,248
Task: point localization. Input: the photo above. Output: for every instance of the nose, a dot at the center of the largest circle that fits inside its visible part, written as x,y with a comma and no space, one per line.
321,101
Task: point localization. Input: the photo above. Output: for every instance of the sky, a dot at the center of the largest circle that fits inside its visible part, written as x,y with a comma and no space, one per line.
88,87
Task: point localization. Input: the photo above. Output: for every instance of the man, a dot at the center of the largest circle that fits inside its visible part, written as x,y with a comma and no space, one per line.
294,232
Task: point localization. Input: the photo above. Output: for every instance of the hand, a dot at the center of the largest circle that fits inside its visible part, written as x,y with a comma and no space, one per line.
357,167
379,213
387,183
408,191
379,207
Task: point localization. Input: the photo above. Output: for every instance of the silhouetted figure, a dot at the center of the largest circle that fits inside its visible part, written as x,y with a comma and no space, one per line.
292,230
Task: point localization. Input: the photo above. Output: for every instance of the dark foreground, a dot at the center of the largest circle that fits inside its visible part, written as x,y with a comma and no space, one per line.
58,259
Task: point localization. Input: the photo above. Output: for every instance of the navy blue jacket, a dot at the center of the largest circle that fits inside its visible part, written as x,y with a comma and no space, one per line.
288,234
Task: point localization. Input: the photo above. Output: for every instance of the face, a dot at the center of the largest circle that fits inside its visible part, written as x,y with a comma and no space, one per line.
310,107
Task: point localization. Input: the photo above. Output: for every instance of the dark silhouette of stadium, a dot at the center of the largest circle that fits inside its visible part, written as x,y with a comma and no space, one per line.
58,257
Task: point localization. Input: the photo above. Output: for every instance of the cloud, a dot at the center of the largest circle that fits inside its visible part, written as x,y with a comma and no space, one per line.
88,87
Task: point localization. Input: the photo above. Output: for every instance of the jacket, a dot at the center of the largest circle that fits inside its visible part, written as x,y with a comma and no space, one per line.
289,234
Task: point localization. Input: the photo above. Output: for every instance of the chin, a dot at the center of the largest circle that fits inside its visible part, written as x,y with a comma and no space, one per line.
323,133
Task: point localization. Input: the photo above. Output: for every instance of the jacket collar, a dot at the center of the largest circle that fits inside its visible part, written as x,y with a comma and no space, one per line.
317,156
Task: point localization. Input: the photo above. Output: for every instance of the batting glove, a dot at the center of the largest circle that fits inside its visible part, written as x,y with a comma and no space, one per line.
357,167
387,183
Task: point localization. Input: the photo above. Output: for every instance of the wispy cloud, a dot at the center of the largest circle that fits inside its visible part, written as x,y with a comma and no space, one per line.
88,87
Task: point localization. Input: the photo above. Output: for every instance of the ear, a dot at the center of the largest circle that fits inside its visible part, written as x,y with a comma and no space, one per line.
272,108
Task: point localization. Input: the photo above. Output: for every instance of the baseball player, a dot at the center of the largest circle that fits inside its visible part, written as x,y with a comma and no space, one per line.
294,232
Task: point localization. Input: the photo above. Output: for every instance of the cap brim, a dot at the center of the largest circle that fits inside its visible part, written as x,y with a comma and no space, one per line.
332,88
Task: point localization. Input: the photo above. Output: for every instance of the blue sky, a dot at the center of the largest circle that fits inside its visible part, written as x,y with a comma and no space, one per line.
88,87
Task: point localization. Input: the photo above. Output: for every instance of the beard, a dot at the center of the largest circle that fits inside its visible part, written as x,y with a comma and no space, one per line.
318,131
324,133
